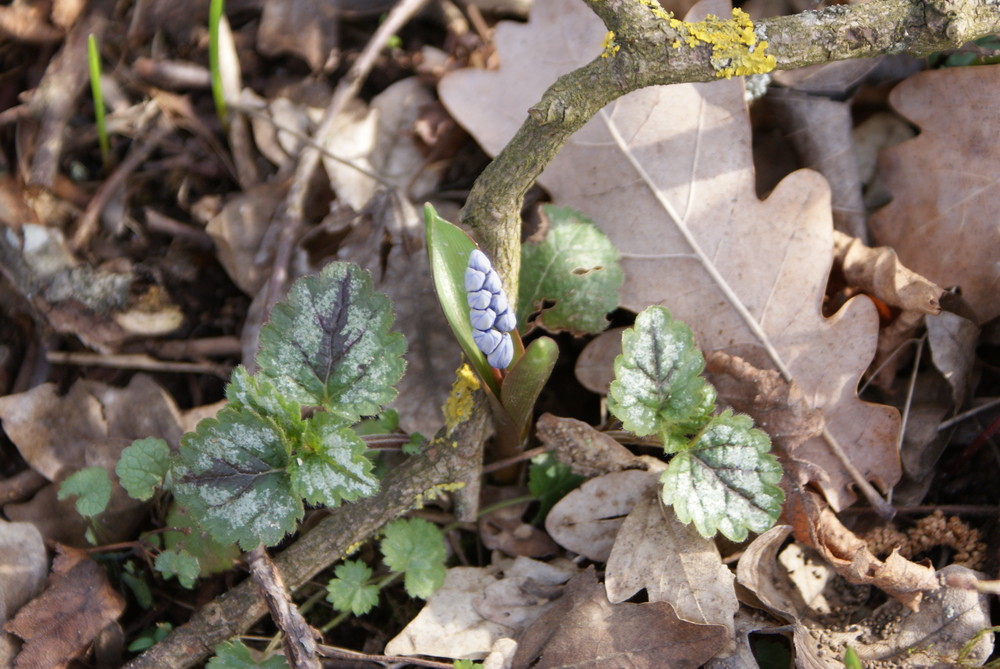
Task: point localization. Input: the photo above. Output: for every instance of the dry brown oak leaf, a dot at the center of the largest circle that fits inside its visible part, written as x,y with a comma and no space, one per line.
945,183
667,173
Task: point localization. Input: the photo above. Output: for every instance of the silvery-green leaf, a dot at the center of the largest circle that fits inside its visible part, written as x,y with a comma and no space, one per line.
257,393
575,267
330,466
232,476
727,481
330,344
658,386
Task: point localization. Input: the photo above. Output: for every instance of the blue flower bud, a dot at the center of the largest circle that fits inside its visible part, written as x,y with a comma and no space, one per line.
489,312
482,319
502,355
480,299
474,280
505,322
487,340
478,261
498,303
492,282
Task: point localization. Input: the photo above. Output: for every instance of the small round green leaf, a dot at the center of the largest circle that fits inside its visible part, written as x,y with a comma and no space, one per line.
231,476
92,486
727,481
330,344
575,267
350,590
142,466
178,564
416,547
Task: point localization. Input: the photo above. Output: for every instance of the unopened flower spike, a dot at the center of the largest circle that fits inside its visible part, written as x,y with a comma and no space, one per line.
490,315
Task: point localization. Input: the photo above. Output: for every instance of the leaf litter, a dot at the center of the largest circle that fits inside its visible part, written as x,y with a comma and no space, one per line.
666,173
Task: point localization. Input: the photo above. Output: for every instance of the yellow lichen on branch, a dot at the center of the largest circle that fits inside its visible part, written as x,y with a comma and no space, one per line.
735,47
609,45
458,407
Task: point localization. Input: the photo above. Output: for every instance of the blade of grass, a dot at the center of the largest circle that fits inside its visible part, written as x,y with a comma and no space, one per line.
94,63
214,18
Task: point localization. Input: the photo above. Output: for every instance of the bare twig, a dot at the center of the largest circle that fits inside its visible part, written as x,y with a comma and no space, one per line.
136,156
289,216
300,639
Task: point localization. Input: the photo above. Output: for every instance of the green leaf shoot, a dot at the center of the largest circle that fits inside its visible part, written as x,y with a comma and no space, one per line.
231,476
525,380
91,486
97,92
178,564
448,248
329,344
415,547
330,464
576,267
350,590
726,481
215,11
235,655
150,637
658,388
142,466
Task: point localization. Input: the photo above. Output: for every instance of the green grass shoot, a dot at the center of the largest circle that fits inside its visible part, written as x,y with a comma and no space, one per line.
94,62
214,19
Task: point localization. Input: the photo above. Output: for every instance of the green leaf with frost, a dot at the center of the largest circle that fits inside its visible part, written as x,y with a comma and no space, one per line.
658,388
256,393
142,466
726,481
575,267
232,476
350,590
330,464
178,564
185,534
415,547
330,344
235,655
91,486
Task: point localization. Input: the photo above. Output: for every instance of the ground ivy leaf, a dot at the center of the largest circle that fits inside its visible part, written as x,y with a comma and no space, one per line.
658,386
235,655
330,344
231,476
142,466
350,590
92,487
179,564
727,481
576,266
257,393
330,465
415,547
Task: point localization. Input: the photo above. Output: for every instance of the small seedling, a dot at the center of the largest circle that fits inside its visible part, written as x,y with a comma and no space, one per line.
215,12
94,64
721,476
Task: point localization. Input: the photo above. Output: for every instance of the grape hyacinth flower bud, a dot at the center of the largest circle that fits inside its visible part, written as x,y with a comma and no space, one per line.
490,315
